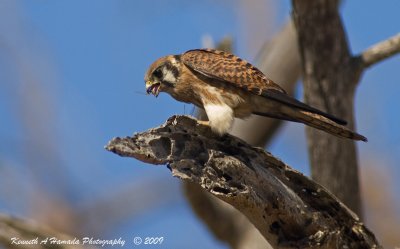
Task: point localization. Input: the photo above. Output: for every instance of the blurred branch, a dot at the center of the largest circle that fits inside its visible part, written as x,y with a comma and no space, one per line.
288,209
32,100
380,51
224,221
279,59
12,227
225,44
376,185
101,215
236,229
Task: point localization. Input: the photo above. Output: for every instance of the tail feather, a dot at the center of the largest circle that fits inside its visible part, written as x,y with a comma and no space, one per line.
281,106
322,123
287,100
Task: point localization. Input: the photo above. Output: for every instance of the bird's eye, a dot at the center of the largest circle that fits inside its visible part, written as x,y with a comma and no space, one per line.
158,73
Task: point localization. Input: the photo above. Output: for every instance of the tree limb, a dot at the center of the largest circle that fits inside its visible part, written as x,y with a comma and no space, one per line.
380,51
12,227
329,79
236,230
288,209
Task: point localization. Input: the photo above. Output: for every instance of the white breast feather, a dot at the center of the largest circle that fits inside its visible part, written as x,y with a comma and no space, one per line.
220,117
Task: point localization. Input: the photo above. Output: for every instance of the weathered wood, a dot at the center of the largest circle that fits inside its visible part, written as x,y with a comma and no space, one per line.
380,51
329,78
288,209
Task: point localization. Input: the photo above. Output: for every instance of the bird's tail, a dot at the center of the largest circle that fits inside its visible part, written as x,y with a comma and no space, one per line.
320,122
279,105
315,120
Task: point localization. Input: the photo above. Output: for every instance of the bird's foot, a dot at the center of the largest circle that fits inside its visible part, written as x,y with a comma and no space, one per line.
203,122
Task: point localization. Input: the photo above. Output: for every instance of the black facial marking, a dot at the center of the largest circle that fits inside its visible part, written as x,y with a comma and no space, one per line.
158,73
175,72
168,68
177,58
168,84
172,69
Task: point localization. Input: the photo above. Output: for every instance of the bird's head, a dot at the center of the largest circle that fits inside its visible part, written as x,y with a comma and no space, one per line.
162,75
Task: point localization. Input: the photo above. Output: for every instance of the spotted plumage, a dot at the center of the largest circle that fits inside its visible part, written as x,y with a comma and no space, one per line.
229,68
226,86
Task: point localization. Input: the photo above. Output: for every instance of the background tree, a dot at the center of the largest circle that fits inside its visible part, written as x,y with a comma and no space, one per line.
58,67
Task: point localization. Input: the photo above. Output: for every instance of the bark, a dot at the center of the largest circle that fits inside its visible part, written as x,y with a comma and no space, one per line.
331,75
288,209
379,52
329,81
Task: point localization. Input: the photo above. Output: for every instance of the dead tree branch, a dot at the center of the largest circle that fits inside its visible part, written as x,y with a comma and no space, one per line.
289,209
331,74
380,51
329,79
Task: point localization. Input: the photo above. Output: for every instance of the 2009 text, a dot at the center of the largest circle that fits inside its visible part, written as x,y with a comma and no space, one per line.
153,240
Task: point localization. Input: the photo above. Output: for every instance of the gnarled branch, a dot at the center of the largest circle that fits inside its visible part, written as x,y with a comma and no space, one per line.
380,51
289,209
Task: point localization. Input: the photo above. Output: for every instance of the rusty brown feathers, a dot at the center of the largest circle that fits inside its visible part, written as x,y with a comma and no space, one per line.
226,86
229,68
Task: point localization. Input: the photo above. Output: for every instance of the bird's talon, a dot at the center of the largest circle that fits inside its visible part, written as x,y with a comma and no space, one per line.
203,122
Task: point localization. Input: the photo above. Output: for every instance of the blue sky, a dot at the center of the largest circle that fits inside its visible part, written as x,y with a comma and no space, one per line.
72,72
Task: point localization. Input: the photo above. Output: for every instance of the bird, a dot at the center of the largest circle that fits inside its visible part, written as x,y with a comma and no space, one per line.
228,87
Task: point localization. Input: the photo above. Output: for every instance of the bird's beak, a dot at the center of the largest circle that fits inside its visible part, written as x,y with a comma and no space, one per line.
153,88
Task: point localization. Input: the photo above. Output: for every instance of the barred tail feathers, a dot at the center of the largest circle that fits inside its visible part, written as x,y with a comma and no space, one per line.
322,123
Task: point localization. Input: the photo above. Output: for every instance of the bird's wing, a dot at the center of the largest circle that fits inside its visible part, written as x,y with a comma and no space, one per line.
235,71
228,68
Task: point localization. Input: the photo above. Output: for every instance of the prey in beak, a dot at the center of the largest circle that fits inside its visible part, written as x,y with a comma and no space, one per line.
153,88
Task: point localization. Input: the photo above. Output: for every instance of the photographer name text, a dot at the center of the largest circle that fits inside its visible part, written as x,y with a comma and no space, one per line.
75,241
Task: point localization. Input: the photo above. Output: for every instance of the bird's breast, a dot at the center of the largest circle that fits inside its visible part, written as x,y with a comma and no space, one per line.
201,91
233,97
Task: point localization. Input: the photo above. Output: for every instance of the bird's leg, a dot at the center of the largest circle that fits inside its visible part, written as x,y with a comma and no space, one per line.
203,122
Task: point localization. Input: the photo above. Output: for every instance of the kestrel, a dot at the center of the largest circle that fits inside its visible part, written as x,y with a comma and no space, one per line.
226,86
